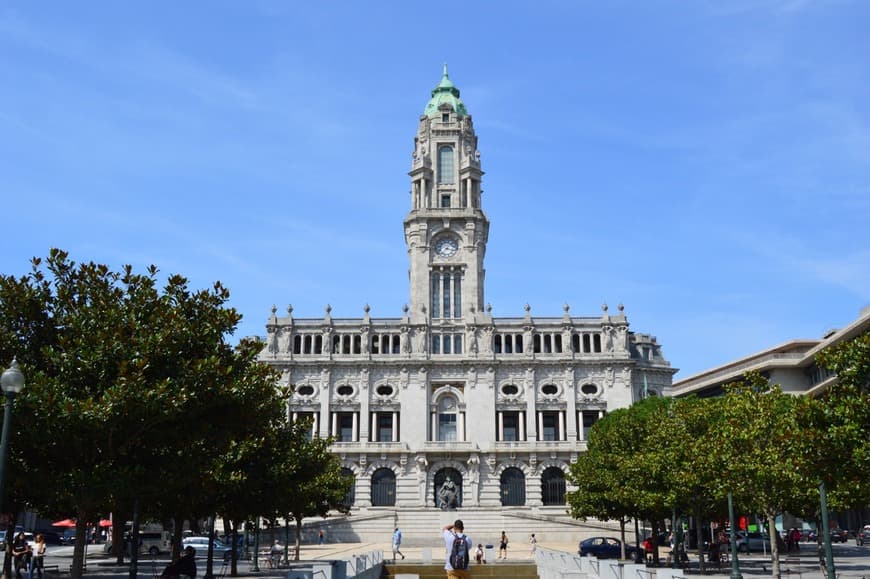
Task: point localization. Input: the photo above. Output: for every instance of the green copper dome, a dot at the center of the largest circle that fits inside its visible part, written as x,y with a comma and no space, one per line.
445,92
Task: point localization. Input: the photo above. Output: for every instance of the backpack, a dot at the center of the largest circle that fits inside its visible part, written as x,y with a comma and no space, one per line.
459,552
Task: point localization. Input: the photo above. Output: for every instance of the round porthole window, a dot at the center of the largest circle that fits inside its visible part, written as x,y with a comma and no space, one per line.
589,389
344,390
549,389
305,390
384,390
510,390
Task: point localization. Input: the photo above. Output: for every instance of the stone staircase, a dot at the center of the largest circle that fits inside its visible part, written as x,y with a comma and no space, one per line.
421,527
432,571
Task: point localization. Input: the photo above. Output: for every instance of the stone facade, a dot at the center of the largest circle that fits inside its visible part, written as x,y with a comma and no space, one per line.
500,406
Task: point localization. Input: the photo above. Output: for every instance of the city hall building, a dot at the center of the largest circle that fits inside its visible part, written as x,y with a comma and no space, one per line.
447,406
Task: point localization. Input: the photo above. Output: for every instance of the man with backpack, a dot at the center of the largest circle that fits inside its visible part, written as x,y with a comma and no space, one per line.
458,550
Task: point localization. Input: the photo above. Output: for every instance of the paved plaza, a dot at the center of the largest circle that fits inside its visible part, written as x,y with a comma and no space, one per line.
849,559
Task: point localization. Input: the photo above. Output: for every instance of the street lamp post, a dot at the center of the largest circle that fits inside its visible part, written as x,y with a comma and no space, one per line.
12,382
735,566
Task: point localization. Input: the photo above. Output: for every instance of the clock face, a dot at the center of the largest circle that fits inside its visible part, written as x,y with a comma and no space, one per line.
446,247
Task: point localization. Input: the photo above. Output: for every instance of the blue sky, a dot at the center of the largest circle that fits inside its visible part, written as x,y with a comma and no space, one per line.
704,162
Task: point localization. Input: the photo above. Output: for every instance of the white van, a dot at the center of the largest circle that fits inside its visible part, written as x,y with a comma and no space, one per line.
151,542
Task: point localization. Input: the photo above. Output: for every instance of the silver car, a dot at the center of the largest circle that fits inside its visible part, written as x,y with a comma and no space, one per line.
200,544
747,542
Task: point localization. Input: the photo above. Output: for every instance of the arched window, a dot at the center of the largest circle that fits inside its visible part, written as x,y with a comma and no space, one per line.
513,488
350,497
383,488
448,418
553,486
445,165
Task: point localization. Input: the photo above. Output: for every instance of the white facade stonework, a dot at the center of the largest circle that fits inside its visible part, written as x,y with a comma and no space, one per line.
502,405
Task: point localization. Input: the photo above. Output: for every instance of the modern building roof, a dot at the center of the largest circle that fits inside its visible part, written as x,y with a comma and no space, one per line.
792,365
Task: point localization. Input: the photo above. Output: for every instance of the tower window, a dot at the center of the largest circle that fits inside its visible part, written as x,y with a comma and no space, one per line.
445,117
446,294
445,165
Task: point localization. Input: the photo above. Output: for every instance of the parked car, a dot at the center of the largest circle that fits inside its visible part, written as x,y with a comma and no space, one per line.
221,551
68,537
747,542
606,548
51,537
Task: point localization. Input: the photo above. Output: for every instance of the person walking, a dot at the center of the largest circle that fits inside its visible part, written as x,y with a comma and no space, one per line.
397,543
458,546
37,563
502,545
20,554
320,537
275,554
534,543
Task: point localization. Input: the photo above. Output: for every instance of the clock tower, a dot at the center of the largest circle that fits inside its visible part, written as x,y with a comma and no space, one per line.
446,229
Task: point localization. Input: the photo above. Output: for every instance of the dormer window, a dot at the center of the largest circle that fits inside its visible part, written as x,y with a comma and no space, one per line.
445,164
445,117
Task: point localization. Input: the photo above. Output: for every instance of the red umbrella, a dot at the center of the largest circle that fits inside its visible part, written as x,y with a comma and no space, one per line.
105,523
64,523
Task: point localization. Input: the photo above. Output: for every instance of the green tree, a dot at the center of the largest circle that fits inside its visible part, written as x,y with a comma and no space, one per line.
313,483
842,421
623,473
767,456
132,390
694,477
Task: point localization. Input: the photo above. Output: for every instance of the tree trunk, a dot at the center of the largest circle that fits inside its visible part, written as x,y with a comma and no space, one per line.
622,537
7,544
118,538
234,536
209,562
76,570
699,536
134,541
298,537
774,546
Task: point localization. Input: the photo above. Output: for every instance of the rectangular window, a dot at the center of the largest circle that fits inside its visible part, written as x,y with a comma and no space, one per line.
457,344
445,201
436,295
309,416
384,428
511,422
587,419
447,427
445,305
345,427
457,296
445,117
550,425
436,344
445,164
447,344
